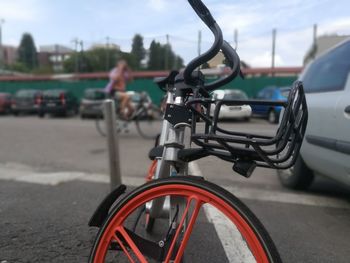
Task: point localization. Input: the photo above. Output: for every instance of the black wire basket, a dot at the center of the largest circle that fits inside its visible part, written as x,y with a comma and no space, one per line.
248,150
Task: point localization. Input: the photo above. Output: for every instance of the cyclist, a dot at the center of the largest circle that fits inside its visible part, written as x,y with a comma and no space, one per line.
116,87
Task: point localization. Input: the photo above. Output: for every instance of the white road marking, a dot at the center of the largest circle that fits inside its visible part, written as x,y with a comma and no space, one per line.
288,198
234,245
230,238
22,173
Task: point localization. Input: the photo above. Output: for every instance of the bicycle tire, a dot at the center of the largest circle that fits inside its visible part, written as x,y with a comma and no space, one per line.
148,122
114,230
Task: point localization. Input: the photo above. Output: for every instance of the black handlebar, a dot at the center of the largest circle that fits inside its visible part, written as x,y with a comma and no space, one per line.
202,11
230,54
196,62
234,63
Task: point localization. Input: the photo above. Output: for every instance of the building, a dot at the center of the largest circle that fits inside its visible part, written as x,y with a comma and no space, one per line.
323,43
9,55
54,56
105,46
217,61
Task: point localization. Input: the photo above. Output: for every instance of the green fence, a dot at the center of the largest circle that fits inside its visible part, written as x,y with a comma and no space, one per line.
250,85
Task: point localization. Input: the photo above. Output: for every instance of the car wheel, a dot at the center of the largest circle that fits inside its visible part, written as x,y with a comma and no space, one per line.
298,177
41,114
272,116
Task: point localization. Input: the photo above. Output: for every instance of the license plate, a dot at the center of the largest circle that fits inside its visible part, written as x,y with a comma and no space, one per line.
51,104
235,108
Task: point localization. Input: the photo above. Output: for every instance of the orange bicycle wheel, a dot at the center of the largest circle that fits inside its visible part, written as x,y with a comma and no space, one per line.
115,241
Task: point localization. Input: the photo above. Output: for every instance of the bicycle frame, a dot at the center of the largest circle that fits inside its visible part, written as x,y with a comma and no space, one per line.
172,139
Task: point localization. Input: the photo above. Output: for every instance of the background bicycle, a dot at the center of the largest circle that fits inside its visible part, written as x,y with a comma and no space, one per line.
146,117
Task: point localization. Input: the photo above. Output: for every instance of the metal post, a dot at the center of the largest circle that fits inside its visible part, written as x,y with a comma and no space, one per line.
273,51
112,143
167,47
107,54
235,38
1,49
199,42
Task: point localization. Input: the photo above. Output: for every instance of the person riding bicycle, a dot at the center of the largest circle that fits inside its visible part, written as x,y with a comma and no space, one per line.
116,87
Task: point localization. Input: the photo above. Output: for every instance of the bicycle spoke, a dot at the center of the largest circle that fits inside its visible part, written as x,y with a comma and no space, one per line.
131,244
124,248
187,232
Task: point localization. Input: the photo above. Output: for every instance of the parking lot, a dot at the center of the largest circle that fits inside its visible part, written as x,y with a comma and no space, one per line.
54,172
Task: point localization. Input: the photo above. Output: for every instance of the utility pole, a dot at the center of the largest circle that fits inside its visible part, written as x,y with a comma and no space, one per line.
235,38
199,41
82,60
2,21
273,50
107,53
167,52
76,62
315,34
81,43
314,44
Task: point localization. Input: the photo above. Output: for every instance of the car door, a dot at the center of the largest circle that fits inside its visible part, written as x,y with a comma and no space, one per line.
261,109
326,148
342,136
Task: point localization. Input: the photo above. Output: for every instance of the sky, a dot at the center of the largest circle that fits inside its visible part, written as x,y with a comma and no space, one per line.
92,21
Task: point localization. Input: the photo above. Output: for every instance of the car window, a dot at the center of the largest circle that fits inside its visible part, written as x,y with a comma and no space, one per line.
329,72
265,94
235,96
52,93
261,95
285,92
269,94
95,95
26,93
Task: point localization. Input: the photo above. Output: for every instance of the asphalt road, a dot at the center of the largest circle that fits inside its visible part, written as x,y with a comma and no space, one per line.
45,223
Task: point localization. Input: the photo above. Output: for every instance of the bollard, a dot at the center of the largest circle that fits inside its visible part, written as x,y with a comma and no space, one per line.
112,143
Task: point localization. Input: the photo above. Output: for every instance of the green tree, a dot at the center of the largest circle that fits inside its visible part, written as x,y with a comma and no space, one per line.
137,50
155,56
95,60
162,57
27,54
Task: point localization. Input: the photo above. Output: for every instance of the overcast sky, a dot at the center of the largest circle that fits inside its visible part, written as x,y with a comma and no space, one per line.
60,21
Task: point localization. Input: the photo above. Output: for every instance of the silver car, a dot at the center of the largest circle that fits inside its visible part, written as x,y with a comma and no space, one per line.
326,147
242,112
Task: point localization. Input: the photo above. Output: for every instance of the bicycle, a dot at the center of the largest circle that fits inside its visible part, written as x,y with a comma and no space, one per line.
168,206
146,116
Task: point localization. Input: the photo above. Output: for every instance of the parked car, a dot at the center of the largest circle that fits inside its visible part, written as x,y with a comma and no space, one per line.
58,102
326,147
270,112
26,101
91,104
5,103
232,112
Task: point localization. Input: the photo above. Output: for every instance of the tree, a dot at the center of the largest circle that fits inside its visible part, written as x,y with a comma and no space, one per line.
27,54
95,60
155,56
162,57
137,50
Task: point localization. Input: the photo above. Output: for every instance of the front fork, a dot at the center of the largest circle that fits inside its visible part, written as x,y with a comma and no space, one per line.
173,139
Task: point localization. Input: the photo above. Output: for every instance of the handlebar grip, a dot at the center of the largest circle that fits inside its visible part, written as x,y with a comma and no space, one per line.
202,11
